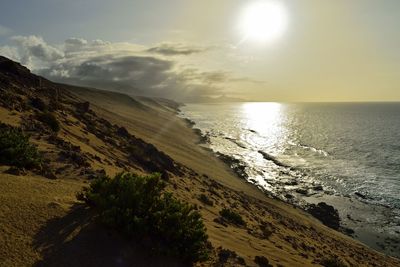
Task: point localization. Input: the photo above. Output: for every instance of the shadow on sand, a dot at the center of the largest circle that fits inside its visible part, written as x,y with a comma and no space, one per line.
75,240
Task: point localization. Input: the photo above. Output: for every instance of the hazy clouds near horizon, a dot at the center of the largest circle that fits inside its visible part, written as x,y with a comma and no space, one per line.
332,51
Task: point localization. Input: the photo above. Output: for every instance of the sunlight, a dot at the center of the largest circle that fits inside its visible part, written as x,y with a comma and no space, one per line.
263,21
264,118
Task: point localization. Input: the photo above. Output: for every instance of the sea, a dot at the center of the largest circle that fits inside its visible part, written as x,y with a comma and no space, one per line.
344,154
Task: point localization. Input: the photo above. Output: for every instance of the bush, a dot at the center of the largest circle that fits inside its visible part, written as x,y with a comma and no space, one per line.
50,120
15,149
39,104
232,217
137,207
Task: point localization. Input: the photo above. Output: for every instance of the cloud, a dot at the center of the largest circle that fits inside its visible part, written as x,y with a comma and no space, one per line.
206,77
175,49
4,30
122,67
247,80
10,52
33,51
129,74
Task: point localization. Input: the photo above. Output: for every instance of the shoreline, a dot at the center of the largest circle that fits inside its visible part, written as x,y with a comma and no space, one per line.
331,214
108,133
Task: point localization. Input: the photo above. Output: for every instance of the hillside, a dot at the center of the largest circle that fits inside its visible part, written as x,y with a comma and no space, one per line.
43,224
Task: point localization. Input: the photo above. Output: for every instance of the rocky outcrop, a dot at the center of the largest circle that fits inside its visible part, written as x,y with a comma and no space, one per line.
327,214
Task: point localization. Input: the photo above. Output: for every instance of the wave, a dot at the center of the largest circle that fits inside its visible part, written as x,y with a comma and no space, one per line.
311,148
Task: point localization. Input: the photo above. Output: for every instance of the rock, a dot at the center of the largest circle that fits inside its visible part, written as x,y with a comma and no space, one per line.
236,165
241,261
83,107
327,214
165,176
347,231
360,195
288,196
123,132
16,171
262,261
269,157
225,254
206,200
318,188
150,157
49,174
221,221
38,103
95,157
303,191
74,157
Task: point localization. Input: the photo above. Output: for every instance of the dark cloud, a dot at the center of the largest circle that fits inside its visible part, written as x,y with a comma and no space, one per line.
122,67
169,49
142,75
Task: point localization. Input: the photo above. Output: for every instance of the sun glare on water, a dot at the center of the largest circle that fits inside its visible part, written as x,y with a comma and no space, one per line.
263,21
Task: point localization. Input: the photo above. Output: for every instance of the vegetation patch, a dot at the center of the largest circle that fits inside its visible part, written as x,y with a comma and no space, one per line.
39,104
50,120
138,207
232,217
15,149
206,200
333,262
262,261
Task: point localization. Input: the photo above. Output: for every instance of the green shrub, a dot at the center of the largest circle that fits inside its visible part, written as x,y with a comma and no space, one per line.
15,149
232,217
50,120
137,207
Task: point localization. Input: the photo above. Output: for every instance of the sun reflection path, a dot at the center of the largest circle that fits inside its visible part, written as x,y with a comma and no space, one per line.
267,119
267,132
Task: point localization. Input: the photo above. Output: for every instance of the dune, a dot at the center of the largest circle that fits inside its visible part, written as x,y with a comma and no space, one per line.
43,224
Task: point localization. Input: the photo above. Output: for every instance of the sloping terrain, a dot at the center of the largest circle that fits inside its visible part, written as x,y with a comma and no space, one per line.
42,223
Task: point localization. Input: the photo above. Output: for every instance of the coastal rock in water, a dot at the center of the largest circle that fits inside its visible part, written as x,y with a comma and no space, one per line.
302,191
327,214
236,165
360,195
272,158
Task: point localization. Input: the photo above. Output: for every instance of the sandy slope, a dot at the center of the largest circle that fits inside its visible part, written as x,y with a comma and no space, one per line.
161,127
300,239
42,223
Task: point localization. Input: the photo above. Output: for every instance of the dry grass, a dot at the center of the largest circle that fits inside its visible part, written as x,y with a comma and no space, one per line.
42,223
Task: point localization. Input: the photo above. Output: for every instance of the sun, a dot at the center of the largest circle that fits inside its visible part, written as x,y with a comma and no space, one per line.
263,21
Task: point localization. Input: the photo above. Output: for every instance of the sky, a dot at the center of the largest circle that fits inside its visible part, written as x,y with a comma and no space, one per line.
331,50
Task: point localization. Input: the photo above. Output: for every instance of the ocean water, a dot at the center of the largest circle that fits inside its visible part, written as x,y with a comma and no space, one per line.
315,152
